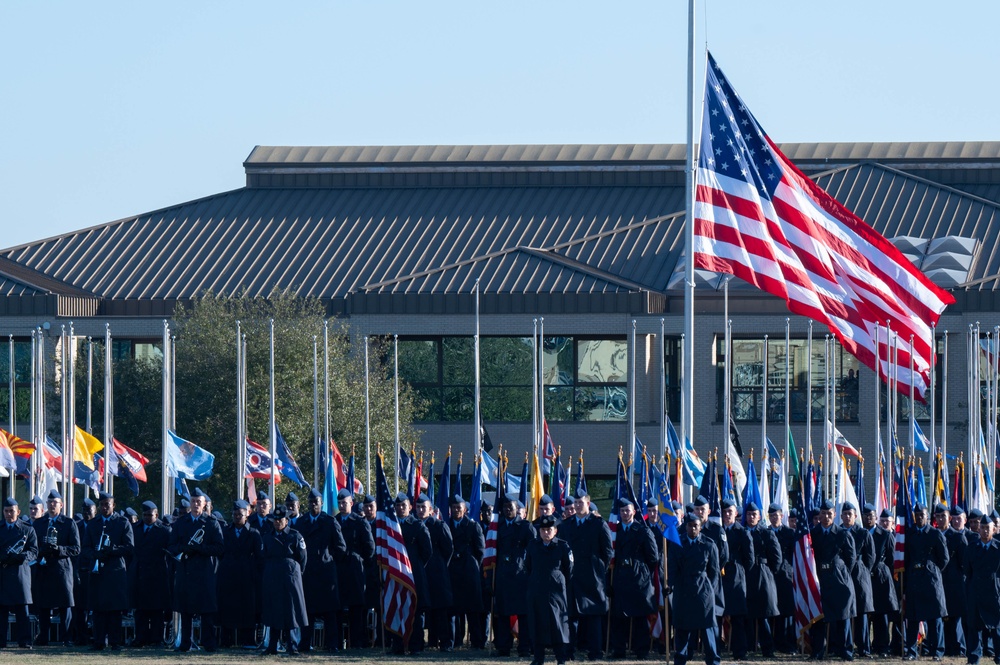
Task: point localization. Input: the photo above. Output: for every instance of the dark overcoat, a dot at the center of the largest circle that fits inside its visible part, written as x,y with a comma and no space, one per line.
417,539
883,586
373,583
15,569
239,576
835,556
351,570
981,566
632,580
864,549
325,547
691,568
548,569
195,583
926,556
285,557
954,573
438,575
109,585
784,580
54,576
261,524
734,576
714,532
762,591
590,540
510,588
466,565
149,570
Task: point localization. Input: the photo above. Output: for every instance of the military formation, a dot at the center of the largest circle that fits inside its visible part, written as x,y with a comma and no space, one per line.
282,579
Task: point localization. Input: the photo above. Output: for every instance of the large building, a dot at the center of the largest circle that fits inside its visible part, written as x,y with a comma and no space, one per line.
588,237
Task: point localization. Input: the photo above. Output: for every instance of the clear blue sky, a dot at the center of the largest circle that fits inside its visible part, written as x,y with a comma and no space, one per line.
116,108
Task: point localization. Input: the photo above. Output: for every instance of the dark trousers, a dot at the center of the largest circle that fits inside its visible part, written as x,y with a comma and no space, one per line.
331,629
759,633
438,622
954,636
738,636
629,633
503,635
239,637
108,628
45,625
357,625
22,627
559,649
207,631
686,643
880,633
275,638
975,637
589,635
149,627
862,635
840,638
477,632
934,642
783,632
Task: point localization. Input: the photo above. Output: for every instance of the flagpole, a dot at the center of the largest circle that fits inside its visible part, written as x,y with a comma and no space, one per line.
933,391
272,419
240,453
809,383
67,443
971,358
995,375
631,403
684,425
395,356
827,423
35,456
913,418
90,380
727,424
10,394
368,429
109,425
541,379
316,411
788,384
326,392
687,390
477,415
243,399
534,381
944,398
663,394
763,413
71,399
833,404
164,481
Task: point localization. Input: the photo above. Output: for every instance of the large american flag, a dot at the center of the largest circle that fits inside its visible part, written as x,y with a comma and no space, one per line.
490,550
904,507
808,603
758,217
399,596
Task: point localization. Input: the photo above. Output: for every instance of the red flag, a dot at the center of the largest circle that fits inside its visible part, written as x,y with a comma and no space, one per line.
16,444
759,218
338,465
134,461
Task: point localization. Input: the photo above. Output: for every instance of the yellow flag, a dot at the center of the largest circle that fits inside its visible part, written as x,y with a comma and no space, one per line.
85,445
536,489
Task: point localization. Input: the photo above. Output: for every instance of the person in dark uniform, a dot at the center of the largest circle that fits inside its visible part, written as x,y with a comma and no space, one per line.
692,568
548,565
982,572
197,539
285,557
292,507
734,578
18,549
784,624
437,616
242,562
833,548
926,557
884,598
633,597
36,509
262,509
954,581
466,570
762,592
861,575
325,546
510,579
360,548
107,543
373,581
81,576
714,532
417,539
149,571
52,587
590,539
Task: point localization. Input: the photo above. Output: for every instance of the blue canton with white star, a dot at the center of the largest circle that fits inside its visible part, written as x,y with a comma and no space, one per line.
732,143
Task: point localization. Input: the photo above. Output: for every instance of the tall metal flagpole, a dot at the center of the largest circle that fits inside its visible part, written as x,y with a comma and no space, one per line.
71,399
878,391
395,362
913,403
316,411
272,419
727,425
34,425
944,397
687,421
684,429
240,453
368,428
534,382
788,382
541,378
11,404
631,404
933,391
164,478
663,393
90,381
326,393
995,375
827,425
109,409
763,412
477,415
67,442
809,397
832,445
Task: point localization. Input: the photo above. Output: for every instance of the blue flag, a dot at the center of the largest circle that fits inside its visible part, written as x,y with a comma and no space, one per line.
286,462
581,480
431,482
668,520
444,490
186,460
673,441
331,502
456,486
751,493
476,494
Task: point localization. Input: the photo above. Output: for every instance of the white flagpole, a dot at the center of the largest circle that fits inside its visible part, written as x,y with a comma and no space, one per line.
727,425
368,428
109,397
809,383
763,412
878,399
36,456
541,380
631,404
477,415
272,419
944,397
165,493
913,403
663,394
833,406
684,426
90,381
326,394
933,392
689,193
67,442
10,393
40,397
240,452
788,386
995,376
71,401
395,355
827,423
316,411
534,382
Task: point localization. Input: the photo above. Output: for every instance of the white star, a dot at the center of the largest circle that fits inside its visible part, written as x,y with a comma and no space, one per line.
745,122
710,161
718,88
767,161
770,176
744,172
751,152
722,128
736,156
743,109
725,166
718,151
725,102
715,112
711,136
729,143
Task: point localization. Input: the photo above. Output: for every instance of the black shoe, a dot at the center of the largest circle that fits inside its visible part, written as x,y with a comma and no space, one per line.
501,654
69,644
24,646
115,647
269,652
96,647
936,659
41,643
909,658
182,649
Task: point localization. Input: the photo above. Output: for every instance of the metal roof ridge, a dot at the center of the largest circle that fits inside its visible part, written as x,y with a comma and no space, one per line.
611,278
30,277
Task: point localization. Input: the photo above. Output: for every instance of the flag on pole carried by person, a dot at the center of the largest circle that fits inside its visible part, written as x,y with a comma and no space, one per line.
490,548
758,217
398,590
808,603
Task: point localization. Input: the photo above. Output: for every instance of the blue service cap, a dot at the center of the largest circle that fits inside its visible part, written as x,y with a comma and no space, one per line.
36,501
547,521
130,511
101,496
402,498
262,496
700,500
775,507
885,514
940,508
291,498
868,508
847,505
10,502
985,519
456,500
751,505
676,506
199,492
345,494
369,499
581,494
545,500
727,503
958,510
625,501
240,504
828,504
89,503
422,497
975,514
279,512
148,505
315,494
54,494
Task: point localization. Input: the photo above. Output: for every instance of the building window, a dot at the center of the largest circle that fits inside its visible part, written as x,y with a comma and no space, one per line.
748,380
138,349
922,410
672,370
585,379
22,381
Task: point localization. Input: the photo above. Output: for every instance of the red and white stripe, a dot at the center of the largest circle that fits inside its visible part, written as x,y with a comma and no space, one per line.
899,551
803,246
808,602
399,597
490,549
